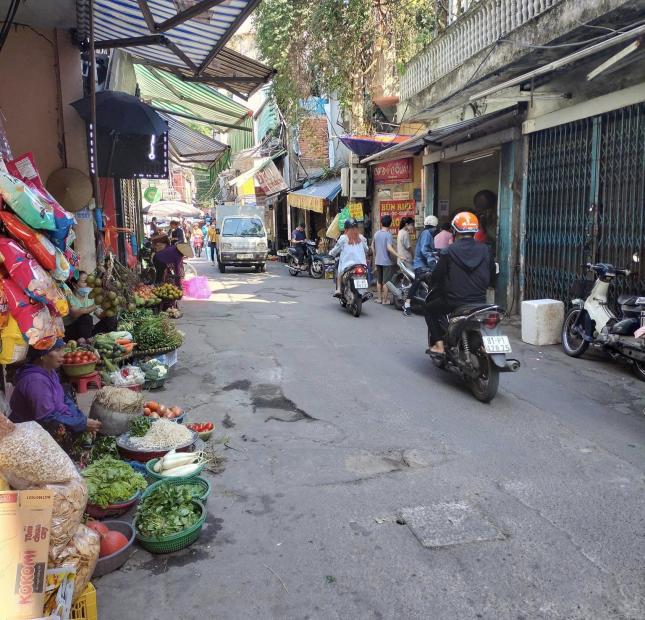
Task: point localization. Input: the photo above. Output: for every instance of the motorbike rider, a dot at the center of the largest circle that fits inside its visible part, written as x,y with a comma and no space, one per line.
464,271
352,247
425,259
298,238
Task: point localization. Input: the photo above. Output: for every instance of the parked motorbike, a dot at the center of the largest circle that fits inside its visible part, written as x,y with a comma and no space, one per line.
592,322
401,283
312,262
147,271
476,349
354,289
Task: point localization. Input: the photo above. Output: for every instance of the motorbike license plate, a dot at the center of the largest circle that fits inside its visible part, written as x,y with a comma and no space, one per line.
361,283
244,256
497,344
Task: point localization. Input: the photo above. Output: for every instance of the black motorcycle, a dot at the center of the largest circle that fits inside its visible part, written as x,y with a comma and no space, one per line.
401,283
312,262
354,289
476,349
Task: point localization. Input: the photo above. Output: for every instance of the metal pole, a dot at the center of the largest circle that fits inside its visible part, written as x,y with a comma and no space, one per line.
93,128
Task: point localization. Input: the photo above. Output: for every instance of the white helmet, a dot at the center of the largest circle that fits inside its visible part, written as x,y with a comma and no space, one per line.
431,220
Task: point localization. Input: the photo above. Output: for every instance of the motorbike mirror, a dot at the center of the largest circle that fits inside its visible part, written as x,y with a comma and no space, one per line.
217,230
496,268
636,258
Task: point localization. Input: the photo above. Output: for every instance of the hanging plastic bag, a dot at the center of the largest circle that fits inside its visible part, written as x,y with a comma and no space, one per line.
26,203
197,288
14,345
343,216
41,247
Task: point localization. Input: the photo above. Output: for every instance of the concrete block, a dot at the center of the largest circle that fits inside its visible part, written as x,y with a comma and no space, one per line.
542,321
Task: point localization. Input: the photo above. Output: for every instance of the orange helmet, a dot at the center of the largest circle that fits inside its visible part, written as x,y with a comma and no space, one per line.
465,222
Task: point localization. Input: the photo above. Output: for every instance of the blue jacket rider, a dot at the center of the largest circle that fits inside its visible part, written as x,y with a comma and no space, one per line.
425,259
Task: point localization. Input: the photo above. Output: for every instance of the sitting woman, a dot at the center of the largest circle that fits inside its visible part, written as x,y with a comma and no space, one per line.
352,247
39,396
79,322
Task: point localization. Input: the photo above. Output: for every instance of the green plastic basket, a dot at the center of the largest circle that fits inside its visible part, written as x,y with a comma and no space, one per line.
153,475
174,542
204,484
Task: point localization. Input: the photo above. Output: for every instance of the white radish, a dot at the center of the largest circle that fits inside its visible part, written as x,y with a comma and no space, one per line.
158,466
184,470
187,460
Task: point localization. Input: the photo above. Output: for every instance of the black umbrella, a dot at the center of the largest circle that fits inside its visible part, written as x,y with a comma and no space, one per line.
122,113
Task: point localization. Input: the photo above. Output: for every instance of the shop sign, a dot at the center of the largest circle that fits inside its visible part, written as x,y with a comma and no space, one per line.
398,209
397,171
401,195
83,214
356,211
384,193
269,180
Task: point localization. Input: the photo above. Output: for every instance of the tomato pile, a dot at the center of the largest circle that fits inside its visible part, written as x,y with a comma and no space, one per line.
153,409
201,428
80,356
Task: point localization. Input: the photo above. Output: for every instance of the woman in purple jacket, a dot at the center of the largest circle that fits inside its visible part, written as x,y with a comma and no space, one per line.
39,396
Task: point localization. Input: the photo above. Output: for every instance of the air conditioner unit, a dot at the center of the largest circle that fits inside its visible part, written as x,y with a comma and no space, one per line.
358,182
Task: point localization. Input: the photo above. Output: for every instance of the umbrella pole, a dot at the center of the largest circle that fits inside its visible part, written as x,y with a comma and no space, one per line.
95,173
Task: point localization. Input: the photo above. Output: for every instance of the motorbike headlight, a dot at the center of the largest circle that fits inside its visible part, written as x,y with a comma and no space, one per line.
261,246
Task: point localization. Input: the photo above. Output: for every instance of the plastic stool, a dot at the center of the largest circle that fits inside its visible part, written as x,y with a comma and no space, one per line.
81,384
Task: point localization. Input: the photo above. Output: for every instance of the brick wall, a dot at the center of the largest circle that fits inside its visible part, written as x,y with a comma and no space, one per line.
314,143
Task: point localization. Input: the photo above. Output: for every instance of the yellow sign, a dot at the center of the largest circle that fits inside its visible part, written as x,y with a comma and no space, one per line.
356,211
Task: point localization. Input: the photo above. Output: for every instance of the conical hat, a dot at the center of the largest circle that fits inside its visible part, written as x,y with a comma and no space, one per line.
71,188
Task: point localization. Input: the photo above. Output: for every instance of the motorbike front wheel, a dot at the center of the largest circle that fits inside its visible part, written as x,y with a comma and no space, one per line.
573,344
317,269
397,280
293,270
639,370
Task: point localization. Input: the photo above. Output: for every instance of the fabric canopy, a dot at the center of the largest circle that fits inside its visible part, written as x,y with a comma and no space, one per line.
171,208
369,145
188,146
315,197
185,36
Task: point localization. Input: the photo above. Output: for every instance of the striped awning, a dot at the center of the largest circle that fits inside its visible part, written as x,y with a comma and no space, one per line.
315,197
187,37
167,92
188,146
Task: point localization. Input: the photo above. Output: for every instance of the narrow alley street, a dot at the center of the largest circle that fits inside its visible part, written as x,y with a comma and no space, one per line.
361,482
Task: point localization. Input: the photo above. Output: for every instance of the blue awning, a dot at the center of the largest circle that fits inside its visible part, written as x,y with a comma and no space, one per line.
183,36
315,197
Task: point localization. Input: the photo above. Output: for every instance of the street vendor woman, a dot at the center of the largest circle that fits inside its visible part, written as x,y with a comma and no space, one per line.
39,396
79,322
167,255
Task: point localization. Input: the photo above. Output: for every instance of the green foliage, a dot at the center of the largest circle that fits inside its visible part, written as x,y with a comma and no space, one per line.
110,481
167,510
344,47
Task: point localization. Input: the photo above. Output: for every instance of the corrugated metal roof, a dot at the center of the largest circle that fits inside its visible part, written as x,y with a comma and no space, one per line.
155,31
188,146
167,92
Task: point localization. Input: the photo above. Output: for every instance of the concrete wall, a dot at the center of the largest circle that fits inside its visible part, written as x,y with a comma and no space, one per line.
41,76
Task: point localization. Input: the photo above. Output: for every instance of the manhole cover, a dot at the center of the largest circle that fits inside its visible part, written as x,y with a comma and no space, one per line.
449,523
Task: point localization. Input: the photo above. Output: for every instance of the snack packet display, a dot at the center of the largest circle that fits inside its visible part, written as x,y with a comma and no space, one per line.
26,203
40,246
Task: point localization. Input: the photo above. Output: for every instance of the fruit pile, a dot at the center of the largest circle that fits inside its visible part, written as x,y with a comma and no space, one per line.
204,427
109,299
144,296
169,292
153,409
79,356
111,540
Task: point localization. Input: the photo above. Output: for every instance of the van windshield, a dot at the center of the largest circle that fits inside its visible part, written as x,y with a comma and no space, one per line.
243,227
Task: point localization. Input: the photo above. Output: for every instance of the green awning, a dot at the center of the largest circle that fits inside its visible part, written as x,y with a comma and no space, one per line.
169,93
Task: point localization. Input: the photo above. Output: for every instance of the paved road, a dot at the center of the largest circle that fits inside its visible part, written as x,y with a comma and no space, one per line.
364,483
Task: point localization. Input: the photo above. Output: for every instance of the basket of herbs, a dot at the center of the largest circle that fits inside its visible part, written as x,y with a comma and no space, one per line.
169,519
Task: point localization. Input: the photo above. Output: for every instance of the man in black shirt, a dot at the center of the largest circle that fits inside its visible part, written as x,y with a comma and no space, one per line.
176,233
464,271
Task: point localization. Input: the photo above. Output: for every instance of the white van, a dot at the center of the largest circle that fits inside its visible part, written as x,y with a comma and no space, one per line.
242,243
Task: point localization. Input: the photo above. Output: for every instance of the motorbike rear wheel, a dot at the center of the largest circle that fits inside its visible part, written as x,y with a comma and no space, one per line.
293,270
357,305
316,269
573,344
484,387
397,280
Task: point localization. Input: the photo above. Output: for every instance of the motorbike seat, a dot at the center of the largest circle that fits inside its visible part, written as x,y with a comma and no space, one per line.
467,309
627,300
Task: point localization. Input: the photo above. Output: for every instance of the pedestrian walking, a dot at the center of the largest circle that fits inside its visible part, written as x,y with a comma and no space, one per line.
403,241
212,240
197,238
384,251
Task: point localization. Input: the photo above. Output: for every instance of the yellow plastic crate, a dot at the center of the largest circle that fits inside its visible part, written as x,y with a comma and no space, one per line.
85,607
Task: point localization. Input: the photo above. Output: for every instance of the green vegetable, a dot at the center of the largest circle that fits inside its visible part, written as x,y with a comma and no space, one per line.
139,426
110,481
167,510
102,447
156,332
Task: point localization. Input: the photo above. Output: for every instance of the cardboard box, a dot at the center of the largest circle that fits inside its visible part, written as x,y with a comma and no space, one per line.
25,523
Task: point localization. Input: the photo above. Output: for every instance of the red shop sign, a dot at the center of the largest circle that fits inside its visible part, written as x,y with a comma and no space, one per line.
396,171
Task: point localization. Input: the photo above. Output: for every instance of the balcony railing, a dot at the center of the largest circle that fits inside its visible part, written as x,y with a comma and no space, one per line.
484,23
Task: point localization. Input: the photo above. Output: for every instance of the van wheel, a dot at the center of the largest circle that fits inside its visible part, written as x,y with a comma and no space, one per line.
222,267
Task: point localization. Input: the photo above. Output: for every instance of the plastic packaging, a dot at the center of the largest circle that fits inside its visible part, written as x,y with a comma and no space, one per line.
14,346
197,288
128,376
26,203
81,553
30,457
40,246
